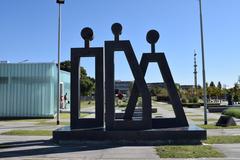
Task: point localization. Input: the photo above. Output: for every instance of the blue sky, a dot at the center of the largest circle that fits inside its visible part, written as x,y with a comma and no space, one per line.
28,30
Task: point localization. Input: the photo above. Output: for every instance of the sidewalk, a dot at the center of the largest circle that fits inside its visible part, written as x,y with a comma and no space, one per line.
41,147
34,147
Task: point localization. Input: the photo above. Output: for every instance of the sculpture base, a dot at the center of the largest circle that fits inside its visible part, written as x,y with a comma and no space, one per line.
179,135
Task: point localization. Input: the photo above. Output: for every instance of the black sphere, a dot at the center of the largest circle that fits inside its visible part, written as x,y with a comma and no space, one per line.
152,36
87,34
117,29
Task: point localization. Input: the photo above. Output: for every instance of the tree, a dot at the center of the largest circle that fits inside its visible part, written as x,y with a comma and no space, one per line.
219,91
155,90
219,85
66,66
212,84
87,83
236,92
212,90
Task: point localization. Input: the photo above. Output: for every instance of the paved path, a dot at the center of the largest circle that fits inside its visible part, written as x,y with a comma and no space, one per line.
36,147
223,132
11,125
229,150
41,147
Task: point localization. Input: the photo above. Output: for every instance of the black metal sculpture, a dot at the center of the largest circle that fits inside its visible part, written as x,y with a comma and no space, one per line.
164,130
160,59
76,53
140,84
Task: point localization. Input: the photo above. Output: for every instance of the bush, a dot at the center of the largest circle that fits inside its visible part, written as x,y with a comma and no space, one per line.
193,100
235,98
184,100
233,111
163,98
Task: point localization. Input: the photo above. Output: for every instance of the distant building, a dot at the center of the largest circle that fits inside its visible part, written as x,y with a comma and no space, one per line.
156,84
123,86
160,84
30,89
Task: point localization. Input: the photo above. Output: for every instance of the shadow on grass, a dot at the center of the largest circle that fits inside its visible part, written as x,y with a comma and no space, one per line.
47,147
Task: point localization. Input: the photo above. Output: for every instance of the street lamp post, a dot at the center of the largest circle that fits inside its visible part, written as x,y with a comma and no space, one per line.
59,51
203,64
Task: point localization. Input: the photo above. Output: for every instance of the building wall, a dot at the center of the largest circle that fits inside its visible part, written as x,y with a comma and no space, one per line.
65,79
28,89
122,86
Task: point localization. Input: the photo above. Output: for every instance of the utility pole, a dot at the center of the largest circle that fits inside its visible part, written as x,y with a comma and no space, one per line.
203,64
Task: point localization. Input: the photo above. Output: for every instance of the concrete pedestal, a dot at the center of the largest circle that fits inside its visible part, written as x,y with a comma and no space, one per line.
179,135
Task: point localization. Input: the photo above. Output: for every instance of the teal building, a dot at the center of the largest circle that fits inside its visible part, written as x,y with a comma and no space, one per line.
29,90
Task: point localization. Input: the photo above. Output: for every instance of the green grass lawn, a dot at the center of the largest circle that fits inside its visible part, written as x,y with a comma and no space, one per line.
47,123
67,115
122,105
192,151
234,112
201,119
194,115
222,139
28,132
212,126
64,115
85,104
25,120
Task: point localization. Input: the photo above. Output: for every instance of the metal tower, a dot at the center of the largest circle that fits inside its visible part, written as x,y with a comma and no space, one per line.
195,70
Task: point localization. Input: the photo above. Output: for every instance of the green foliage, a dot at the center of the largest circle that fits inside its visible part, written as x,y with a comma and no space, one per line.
215,92
219,85
65,66
85,104
190,151
155,90
212,84
222,139
64,115
235,98
193,100
47,123
213,126
233,112
87,83
158,91
28,132
163,92
184,100
202,120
